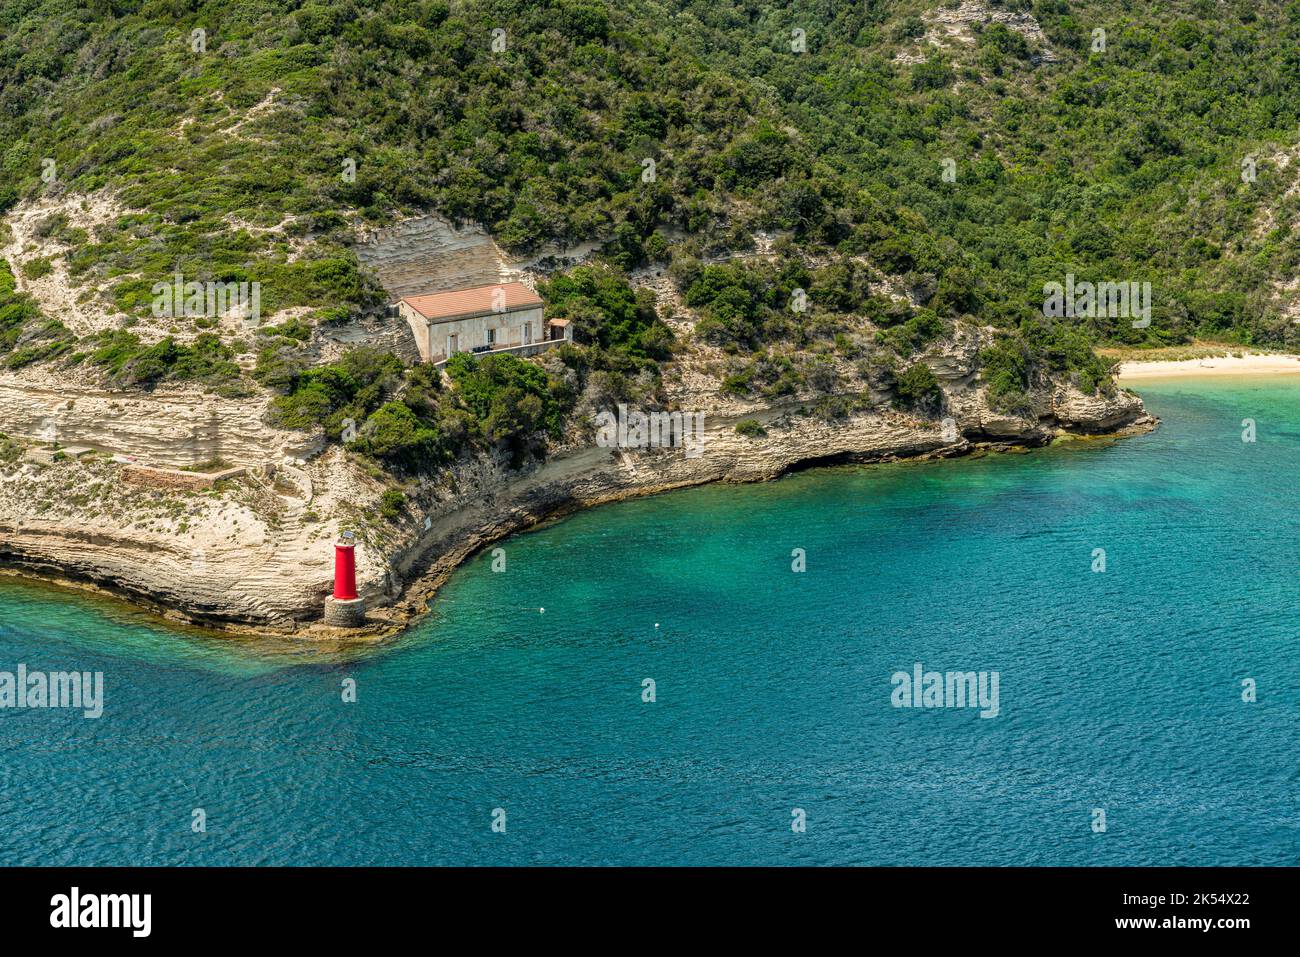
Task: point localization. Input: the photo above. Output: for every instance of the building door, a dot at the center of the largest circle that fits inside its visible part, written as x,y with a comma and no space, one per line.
528,333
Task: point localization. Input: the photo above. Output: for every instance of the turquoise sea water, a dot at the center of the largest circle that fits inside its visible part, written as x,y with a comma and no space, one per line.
1119,690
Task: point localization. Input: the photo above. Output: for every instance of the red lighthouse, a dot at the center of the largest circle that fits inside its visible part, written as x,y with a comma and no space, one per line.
344,609
345,568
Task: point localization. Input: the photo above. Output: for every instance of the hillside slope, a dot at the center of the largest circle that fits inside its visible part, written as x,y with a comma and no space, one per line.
1124,161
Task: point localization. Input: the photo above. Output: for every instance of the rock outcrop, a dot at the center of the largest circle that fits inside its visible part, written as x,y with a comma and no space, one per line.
1097,413
170,426
960,23
427,254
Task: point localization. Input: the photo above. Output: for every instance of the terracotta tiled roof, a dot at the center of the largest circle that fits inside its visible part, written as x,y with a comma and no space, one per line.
458,303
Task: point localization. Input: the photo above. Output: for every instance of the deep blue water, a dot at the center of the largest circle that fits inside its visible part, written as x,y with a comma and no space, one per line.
1119,690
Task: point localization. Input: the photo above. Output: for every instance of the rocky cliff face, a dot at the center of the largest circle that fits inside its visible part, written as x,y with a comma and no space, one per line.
253,551
1097,414
427,254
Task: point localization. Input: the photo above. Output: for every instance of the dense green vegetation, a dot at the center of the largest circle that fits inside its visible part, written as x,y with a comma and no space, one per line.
620,325
671,132
619,339
1110,164
512,400
402,417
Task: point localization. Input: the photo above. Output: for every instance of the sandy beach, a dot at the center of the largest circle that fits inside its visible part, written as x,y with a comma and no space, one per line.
1251,364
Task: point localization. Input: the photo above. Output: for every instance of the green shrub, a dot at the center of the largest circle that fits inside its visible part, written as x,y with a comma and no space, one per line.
36,268
391,504
918,389
396,435
515,402
606,312
129,363
329,395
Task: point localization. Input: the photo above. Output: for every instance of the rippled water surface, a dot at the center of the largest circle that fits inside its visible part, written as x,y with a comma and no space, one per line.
1119,690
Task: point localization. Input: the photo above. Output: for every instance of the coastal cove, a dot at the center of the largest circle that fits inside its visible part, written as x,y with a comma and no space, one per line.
265,585
1119,690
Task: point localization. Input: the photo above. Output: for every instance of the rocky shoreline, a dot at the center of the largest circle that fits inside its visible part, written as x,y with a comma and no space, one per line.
489,503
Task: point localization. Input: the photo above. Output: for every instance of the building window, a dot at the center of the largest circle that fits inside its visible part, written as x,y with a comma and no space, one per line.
528,332
492,337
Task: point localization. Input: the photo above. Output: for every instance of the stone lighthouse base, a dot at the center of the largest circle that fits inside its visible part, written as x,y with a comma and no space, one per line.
350,613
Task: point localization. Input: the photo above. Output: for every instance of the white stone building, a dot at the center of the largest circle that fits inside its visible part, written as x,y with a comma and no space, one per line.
503,317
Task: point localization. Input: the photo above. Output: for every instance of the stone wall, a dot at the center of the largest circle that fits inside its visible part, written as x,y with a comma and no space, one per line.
175,478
